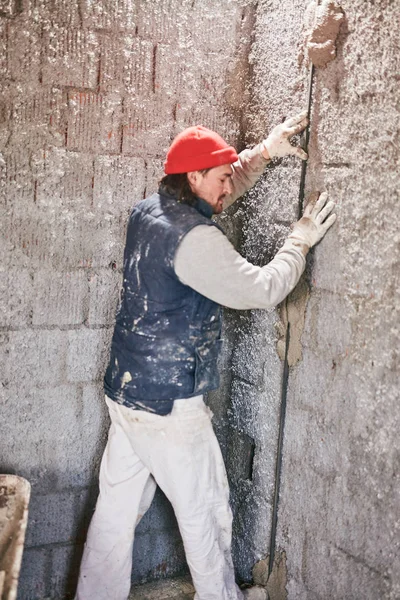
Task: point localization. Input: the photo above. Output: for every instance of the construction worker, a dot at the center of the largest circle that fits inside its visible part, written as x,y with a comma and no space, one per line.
179,268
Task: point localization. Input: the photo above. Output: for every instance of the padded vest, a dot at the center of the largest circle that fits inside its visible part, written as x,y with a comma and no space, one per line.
167,336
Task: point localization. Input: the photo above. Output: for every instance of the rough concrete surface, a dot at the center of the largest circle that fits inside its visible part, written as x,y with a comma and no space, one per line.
322,25
91,95
338,519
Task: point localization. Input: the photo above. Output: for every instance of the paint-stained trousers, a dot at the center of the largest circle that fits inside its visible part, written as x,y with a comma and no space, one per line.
180,453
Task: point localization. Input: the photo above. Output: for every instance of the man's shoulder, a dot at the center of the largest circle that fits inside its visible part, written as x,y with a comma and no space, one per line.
164,206
160,203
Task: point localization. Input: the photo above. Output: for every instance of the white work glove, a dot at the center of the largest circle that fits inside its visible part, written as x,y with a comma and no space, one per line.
315,221
278,143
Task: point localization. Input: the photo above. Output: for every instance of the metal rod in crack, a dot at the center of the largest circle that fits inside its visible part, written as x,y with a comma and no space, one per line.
285,374
278,466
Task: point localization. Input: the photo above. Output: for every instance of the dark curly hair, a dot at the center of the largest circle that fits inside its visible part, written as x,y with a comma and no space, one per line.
178,185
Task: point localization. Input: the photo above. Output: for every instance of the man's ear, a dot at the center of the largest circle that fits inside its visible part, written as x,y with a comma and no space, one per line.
193,177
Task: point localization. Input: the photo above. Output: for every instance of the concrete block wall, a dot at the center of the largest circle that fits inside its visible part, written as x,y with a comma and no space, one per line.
92,93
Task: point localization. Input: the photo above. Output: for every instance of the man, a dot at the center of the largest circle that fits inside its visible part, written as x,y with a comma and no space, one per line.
179,268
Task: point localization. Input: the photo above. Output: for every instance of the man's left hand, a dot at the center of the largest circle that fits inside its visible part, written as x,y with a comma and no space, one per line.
278,143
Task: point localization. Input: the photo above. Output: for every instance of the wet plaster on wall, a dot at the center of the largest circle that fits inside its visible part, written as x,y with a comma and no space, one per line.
293,312
321,23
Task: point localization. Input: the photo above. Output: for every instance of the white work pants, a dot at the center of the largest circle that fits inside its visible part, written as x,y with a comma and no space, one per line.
180,453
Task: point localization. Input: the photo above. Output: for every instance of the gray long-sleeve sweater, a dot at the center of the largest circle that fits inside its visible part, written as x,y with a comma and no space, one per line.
207,262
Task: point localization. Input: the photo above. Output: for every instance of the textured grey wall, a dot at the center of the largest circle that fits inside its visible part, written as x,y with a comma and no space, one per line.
339,510
92,92
91,95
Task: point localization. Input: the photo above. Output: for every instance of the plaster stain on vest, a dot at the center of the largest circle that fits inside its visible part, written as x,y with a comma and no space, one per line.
126,378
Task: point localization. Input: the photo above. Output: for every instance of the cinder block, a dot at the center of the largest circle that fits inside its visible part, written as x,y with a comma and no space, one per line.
31,236
250,370
65,13
36,357
319,334
154,20
52,519
154,173
347,260
213,84
311,392
158,554
38,118
85,505
119,184
64,448
126,65
159,517
268,224
362,72
18,180
183,79
48,453
103,297
64,570
62,240
215,117
254,412
94,122
24,47
71,58
220,26
15,297
60,298
147,126
90,242
86,452
33,579
64,180
87,354
116,15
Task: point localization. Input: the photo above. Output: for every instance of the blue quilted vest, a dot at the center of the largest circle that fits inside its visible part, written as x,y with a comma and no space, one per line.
167,336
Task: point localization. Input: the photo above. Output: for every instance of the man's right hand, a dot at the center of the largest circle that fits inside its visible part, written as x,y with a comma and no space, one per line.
278,143
315,222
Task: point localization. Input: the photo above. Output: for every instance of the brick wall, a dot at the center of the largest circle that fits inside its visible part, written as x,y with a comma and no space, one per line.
91,95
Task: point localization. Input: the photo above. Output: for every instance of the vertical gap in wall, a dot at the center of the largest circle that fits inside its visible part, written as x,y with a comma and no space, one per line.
285,374
146,167
121,139
154,68
279,452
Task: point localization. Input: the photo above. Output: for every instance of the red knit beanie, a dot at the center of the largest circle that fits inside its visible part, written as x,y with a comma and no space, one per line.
197,148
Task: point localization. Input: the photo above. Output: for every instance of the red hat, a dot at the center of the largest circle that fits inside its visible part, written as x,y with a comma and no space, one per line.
197,148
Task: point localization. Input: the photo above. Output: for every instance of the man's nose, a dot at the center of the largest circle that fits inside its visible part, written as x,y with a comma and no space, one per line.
228,187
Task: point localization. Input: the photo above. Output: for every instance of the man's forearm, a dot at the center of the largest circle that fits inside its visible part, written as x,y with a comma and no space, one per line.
207,262
246,171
